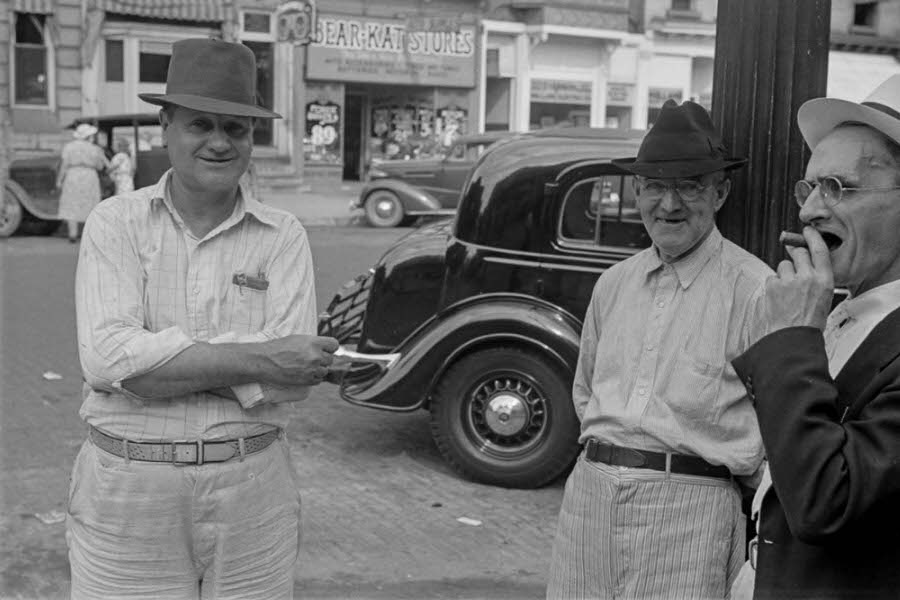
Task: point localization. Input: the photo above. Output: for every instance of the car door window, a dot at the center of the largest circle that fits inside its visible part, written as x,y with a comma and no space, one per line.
602,211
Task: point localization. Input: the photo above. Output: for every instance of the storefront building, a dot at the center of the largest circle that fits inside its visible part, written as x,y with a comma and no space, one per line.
385,88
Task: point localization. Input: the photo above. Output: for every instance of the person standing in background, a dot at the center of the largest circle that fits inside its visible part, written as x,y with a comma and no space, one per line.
78,178
121,167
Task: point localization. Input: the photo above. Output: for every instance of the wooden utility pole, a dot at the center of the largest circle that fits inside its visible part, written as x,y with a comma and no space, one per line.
771,56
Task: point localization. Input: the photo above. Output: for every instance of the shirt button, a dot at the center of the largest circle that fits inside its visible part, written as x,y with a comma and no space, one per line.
660,304
642,391
649,346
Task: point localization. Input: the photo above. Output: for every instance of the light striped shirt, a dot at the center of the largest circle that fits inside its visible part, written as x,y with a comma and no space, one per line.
147,289
654,371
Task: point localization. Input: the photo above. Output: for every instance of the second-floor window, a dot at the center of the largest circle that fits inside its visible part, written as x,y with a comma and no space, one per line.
684,5
865,15
30,61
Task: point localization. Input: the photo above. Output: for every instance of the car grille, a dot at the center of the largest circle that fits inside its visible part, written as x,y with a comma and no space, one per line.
343,320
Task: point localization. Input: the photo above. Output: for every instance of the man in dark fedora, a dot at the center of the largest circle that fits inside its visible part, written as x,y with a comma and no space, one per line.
826,385
196,331
652,508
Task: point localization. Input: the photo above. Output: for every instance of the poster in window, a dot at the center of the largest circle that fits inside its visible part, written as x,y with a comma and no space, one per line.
323,128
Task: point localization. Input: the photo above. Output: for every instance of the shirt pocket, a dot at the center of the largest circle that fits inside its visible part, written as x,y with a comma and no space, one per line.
247,307
693,387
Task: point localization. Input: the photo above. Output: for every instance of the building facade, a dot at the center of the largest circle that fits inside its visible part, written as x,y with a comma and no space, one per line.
392,79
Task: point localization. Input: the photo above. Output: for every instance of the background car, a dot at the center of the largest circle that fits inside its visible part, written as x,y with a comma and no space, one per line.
31,200
399,190
478,319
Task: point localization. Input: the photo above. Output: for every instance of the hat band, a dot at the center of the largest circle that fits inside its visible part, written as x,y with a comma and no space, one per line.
883,108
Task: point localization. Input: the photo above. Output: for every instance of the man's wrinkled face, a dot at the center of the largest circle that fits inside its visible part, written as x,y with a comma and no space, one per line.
680,213
862,230
208,151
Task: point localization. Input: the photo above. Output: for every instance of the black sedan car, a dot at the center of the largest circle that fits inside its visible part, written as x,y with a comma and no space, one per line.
400,190
477,319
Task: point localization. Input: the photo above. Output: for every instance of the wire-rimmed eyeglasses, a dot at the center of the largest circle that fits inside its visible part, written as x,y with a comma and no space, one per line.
689,190
831,189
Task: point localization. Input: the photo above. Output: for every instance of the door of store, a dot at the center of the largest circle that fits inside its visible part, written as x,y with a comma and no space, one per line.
353,136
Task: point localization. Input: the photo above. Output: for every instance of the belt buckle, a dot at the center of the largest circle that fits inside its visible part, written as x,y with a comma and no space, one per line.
198,458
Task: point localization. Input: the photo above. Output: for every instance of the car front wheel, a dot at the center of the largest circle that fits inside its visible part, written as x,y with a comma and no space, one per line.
383,209
11,211
504,416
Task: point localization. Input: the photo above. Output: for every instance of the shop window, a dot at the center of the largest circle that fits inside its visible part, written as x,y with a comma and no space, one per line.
255,22
31,61
265,88
115,60
682,5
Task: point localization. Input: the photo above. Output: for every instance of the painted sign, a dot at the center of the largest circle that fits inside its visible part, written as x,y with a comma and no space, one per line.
296,21
385,51
657,96
560,91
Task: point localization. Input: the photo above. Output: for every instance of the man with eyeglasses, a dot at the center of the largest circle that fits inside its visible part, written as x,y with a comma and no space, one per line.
652,508
826,387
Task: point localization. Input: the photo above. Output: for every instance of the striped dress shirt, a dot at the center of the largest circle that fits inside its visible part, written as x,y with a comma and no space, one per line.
147,289
654,371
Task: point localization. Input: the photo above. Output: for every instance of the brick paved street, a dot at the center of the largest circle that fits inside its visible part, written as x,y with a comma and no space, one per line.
380,506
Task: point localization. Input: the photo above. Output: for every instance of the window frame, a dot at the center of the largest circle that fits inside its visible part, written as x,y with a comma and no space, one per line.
592,243
49,64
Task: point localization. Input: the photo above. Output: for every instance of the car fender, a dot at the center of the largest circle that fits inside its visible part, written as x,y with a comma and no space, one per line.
477,322
41,210
414,199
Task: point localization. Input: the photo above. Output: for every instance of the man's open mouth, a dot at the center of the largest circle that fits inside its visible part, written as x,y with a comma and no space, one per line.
831,240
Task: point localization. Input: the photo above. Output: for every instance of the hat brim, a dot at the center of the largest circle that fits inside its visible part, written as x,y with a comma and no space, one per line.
820,116
677,168
210,105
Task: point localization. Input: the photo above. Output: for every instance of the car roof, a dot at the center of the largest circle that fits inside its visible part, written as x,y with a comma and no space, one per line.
117,120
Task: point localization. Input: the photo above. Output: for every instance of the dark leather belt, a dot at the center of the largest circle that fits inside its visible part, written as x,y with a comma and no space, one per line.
182,452
682,464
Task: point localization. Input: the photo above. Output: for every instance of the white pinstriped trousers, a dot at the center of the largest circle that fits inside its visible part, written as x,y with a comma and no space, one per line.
642,534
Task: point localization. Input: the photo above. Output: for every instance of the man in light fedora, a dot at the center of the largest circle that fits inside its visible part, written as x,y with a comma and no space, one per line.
652,508
826,387
196,320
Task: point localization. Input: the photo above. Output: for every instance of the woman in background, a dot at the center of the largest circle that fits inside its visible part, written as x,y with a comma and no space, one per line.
121,167
79,179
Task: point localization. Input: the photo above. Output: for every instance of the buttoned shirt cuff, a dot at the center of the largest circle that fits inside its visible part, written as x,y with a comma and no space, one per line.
248,394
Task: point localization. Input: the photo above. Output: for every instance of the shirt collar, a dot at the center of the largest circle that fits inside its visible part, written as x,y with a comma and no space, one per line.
247,204
881,299
688,267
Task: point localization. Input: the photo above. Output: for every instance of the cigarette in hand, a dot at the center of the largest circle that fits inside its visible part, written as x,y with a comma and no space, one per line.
789,238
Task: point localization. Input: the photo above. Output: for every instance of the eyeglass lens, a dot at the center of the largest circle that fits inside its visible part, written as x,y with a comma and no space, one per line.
830,188
688,189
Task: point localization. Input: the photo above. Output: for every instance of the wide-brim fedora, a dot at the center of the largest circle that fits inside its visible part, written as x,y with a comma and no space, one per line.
681,143
880,110
212,76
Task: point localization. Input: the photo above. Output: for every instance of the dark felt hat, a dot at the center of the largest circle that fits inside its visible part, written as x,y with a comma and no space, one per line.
212,76
681,143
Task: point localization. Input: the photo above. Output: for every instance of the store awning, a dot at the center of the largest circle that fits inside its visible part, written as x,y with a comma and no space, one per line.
40,7
180,10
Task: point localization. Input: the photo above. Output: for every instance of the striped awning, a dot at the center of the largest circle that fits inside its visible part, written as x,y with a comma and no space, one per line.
181,10
40,7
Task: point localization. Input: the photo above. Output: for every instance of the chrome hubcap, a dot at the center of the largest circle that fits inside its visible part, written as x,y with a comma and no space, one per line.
385,208
507,415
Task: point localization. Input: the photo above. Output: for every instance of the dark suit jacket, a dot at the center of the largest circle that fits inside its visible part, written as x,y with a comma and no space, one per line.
830,526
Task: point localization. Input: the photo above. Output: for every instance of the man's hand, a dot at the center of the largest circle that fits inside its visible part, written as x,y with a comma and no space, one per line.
801,293
298,359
